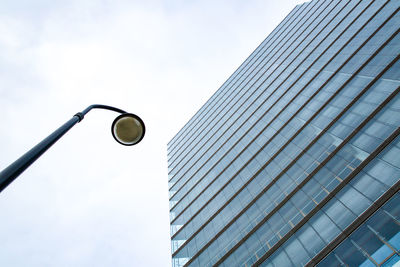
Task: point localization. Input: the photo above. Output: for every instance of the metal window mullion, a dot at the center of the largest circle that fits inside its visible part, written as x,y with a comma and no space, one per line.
395,220
363,252
383,239
340,261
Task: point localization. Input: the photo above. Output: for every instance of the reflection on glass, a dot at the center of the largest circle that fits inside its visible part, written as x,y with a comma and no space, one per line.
374,243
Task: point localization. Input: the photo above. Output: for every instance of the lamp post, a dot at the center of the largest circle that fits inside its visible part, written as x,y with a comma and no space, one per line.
127,129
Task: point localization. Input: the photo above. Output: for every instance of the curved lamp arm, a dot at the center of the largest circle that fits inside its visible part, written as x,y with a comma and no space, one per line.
9,174
82,114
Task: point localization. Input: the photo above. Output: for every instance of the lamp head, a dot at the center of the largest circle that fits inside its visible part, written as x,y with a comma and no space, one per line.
128,129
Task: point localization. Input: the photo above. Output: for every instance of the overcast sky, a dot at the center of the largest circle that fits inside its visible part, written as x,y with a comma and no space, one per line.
90,201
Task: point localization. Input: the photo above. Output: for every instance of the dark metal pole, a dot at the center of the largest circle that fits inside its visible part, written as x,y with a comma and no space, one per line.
9,174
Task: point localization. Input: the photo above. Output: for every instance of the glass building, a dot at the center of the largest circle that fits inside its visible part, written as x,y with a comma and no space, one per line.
295,160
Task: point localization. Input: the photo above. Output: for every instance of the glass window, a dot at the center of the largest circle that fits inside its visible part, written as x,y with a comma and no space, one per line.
350,254
354,200
310,239
325,227
375,242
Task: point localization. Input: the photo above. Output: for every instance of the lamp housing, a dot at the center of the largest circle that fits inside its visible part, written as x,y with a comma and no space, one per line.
128,129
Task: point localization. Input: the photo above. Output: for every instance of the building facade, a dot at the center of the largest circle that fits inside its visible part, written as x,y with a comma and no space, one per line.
295,160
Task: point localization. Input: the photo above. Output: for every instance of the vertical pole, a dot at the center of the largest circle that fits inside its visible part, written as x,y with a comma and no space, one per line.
9,174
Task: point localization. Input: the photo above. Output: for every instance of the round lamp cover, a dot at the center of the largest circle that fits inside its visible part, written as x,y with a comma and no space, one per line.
128,129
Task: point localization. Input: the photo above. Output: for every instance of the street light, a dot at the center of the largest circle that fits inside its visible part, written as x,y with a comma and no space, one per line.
127,129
